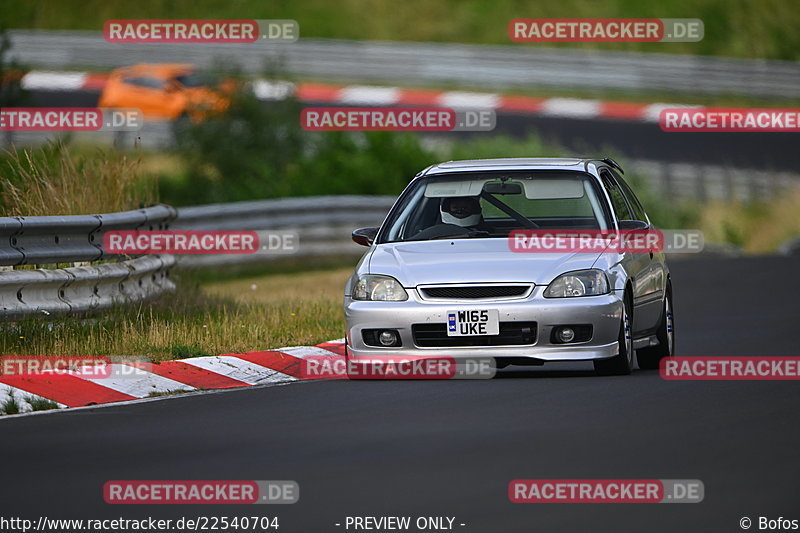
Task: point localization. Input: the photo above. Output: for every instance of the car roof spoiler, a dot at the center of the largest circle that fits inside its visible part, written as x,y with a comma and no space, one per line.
610,162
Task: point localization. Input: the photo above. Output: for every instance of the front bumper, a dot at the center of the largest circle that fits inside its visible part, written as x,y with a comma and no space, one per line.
603,313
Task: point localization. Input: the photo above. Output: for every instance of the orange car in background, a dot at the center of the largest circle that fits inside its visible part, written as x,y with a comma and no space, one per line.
167,91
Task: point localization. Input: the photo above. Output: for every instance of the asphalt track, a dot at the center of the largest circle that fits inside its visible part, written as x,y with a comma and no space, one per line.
450,448
592,137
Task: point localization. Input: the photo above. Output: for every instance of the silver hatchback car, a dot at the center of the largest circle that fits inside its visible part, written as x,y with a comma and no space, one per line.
441,279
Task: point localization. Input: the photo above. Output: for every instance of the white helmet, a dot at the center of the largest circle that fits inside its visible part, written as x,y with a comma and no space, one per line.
464,211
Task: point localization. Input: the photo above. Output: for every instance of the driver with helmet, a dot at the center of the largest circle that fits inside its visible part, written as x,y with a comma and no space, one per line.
464,211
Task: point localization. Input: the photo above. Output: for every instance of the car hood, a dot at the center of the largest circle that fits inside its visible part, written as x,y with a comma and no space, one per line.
470,261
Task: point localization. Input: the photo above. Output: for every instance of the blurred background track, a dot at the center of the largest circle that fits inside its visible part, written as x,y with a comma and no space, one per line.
486,66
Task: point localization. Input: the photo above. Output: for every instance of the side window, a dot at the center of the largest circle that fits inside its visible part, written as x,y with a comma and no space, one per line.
636,206
617,198
145,81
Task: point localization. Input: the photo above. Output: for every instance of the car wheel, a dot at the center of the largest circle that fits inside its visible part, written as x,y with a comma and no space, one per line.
650,357
622,363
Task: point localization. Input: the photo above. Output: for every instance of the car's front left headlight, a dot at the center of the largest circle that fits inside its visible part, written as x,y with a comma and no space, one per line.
377,288
591,282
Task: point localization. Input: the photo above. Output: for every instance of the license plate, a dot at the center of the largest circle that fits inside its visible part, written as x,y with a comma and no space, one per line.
473,322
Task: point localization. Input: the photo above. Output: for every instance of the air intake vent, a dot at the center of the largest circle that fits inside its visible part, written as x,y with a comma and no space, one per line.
474,292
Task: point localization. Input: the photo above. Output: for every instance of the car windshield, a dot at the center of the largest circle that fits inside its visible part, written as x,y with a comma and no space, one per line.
490,205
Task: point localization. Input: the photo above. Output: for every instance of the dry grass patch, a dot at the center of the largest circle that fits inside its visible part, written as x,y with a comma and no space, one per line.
327,286
759,227
54,180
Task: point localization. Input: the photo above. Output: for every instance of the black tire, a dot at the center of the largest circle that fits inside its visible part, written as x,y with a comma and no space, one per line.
649,358
622,363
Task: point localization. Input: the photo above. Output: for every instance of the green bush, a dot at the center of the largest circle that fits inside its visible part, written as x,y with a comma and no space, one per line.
245,153
361,163
259,150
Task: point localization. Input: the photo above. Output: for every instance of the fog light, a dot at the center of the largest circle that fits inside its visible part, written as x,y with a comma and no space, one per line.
387,338
566,334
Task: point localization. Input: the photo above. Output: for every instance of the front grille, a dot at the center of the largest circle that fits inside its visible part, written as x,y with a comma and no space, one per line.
511,334
474,292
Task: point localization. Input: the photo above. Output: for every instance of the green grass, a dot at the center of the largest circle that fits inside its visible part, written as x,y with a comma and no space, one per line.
10,406
41,404
738,28
182,351
255,313
167,393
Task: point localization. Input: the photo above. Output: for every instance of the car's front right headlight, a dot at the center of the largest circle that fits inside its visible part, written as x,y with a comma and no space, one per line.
373,287
591,282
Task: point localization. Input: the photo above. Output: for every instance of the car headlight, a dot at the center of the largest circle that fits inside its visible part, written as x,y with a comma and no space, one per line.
379,288
579,283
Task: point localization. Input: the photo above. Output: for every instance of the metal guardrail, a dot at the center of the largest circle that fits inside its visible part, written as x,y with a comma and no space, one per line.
496,67
323,224
54,240
26,293
68,239
675,180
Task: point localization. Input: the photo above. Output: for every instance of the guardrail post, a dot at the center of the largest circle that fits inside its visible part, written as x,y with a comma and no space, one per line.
700,183
666,173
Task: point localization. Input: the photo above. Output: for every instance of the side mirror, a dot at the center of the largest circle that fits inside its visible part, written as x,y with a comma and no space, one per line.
365,236
633,225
